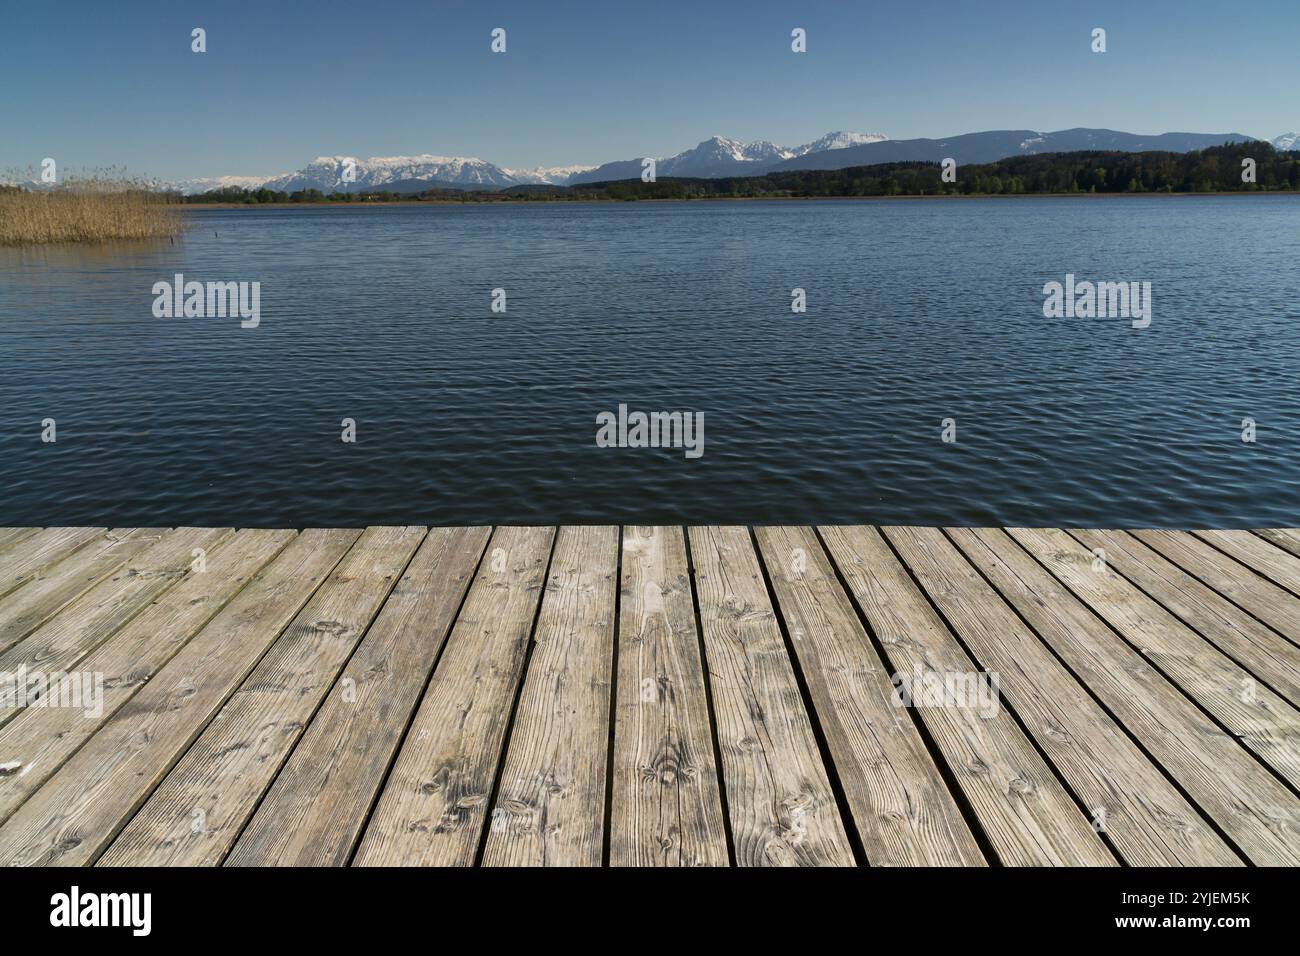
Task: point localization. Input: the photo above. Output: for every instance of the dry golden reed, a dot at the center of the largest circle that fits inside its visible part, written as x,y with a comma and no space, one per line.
94,208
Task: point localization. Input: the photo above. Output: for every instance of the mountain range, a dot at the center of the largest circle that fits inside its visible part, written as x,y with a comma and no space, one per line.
714,157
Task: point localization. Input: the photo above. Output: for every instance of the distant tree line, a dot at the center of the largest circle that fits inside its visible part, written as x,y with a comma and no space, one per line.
1217,169
237,194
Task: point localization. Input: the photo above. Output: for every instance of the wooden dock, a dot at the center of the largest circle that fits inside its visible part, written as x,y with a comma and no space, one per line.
586,696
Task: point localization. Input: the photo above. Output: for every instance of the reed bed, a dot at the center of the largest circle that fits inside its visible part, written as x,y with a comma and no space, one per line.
86,209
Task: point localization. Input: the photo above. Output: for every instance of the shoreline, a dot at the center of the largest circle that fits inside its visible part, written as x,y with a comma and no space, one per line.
720,199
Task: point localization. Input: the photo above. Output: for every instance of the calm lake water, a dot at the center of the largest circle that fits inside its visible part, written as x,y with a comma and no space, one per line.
918,311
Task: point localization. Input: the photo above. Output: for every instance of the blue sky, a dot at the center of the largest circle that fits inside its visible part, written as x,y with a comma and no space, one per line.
100,83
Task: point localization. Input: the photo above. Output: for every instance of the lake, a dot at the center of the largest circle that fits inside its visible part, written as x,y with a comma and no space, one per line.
924,321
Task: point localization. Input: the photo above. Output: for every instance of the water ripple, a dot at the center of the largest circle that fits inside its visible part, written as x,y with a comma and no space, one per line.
917,312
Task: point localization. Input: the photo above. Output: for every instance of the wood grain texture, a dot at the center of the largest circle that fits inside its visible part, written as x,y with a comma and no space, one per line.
1271,603
779,800
550,809
45,547
82,626
435,803
39,740
52,588
9,536
1145,817
902,809
76,814
1261,719
313,814
658,697
1029,818
1264,558
1288,539
1257,812
666,807
225,772
1254,645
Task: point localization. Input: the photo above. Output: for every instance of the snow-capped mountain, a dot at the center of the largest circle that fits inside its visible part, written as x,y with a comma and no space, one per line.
1287,141
715,157
326,173
720,153
552,175
719,149
351,174
190,187
840,139
992,145
719,156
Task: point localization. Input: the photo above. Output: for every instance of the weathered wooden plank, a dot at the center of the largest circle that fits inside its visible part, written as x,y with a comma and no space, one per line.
1273,605
39,740
1257,647
1029,818
33,552
1261,719
779,800
666,805
1147,820
82,807
433,807
1188,624
83,625
10,536
550,809
314,811
1288,539
902,808
51,589
1257,812
1277,564
228,768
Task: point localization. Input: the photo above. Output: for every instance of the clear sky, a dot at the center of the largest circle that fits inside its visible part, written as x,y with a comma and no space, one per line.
104,82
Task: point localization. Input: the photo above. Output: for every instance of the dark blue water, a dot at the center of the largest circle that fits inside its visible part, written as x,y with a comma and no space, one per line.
917,311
